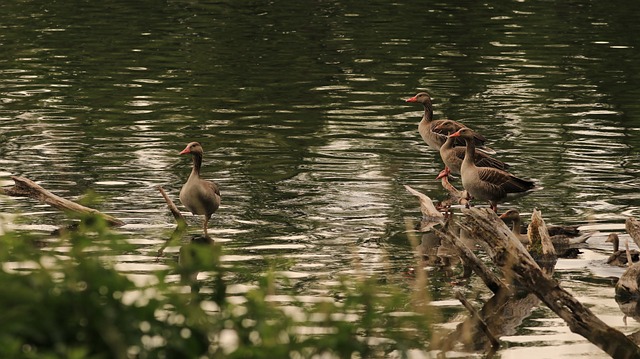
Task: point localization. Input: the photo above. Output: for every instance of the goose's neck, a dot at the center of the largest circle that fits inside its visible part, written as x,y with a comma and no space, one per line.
197,164
428,112
616,244
517,225
470,152
448,144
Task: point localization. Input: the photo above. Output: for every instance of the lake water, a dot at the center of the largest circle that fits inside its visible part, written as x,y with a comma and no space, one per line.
300,109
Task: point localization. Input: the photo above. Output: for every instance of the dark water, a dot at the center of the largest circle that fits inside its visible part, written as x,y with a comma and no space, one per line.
299,106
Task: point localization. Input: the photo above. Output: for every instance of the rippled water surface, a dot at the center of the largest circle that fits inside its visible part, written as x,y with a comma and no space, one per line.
300,109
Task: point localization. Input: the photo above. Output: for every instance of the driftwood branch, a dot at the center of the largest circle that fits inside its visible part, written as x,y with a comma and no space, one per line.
182,224
172,207
25,187
511,256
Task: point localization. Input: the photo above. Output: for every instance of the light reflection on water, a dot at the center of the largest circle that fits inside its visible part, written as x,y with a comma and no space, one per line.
310,139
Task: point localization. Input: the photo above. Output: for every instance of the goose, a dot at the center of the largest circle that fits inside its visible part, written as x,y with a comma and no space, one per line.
433,137
619,257
201,197
487,183
452,155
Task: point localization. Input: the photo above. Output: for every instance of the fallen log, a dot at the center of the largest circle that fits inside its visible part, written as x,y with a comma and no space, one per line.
505,311
516,262
492,281
25,187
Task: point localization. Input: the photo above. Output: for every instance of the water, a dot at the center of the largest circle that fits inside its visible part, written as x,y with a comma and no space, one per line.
299,107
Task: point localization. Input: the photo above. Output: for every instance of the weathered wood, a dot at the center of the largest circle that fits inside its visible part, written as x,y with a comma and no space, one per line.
172,207
25,187
511,256
503,313
628,285
632,226
430,215
491,280
541,247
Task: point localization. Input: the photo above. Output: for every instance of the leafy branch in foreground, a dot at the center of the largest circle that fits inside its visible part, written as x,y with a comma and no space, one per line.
73,304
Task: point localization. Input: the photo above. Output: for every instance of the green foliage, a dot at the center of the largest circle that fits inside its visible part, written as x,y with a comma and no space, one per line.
74,304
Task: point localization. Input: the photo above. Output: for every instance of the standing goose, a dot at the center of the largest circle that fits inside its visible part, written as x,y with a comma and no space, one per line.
487,183
428,132
201,197
452,155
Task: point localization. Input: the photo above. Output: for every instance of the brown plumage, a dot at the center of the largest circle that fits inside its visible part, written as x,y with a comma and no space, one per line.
487,183
519,232
427,126
452,155
619,257
201,197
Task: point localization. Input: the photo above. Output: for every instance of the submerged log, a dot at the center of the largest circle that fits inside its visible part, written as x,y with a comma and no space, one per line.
25,187
516,263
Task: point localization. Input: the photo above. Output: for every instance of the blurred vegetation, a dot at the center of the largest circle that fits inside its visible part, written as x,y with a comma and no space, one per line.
66,300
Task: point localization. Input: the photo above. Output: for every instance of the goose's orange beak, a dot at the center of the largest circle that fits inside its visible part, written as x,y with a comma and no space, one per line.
455,134
413,99
185,151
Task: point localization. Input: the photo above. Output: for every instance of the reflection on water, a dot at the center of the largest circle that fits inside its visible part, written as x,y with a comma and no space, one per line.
299,109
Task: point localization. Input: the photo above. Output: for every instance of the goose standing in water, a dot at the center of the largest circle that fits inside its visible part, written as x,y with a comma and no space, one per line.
201,197
427,126
487,183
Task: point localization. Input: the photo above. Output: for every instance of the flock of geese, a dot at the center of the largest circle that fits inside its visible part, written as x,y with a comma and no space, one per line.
464,153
